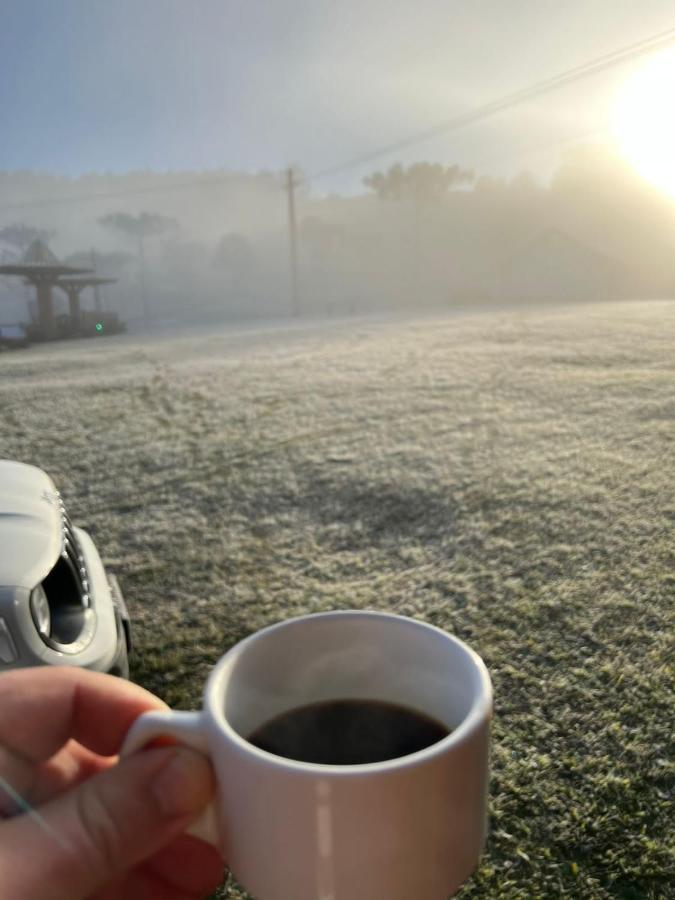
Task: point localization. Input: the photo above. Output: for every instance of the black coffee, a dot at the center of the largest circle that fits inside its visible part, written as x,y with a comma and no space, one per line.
348,732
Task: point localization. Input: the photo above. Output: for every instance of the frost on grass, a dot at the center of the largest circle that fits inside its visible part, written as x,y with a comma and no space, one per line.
507,477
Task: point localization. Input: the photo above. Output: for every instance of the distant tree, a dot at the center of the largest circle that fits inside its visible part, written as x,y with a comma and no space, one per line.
416,189
420,182
187,257
234,255
488,184
139,227
232,250
322,239
108,263
22,236
524,183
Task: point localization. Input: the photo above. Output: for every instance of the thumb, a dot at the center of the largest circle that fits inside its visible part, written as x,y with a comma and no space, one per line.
78,842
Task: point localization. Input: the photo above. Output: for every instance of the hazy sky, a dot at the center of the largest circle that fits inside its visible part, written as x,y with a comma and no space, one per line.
94,85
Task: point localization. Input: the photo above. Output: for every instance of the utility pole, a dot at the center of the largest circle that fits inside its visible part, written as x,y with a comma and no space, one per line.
144,290
97,291
293,242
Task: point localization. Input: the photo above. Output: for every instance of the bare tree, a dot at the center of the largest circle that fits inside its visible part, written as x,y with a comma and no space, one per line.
235,257
138,228
421,182
418,187
22,236
109,263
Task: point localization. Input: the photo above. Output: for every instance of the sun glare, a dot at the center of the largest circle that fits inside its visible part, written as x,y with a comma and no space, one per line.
643,122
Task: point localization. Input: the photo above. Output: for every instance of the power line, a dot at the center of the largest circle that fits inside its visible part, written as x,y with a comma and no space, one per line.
541,148
496,106
606,61
105,195
293,242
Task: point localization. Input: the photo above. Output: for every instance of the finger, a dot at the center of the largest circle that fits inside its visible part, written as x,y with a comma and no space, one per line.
189,864
42,707
70,766
141,885
36,784
97,832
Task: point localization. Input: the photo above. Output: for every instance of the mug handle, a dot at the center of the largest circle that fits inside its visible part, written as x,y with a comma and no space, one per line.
186,728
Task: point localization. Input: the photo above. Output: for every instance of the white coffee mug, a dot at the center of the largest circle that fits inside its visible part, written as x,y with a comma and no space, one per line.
410,828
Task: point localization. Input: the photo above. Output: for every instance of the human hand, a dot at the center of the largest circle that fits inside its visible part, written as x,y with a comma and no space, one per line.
83,825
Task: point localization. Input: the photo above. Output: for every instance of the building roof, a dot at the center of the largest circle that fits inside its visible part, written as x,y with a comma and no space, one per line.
39,254
77,281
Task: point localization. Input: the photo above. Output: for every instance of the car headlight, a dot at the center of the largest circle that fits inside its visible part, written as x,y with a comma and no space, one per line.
39,607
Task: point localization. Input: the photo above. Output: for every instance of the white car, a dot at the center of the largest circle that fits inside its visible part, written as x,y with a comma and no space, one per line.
57,604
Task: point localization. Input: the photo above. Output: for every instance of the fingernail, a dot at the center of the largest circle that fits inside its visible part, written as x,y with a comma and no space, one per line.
185,784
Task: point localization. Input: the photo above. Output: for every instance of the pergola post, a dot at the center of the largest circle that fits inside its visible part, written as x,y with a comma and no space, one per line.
45,306
74,306
41,268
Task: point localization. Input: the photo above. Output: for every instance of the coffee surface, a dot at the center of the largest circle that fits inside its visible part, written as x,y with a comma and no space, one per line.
348,732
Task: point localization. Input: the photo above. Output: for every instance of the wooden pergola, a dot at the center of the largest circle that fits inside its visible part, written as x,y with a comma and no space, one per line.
73,287
42,269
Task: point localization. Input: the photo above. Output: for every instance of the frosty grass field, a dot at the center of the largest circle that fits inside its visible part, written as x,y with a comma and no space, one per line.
506,476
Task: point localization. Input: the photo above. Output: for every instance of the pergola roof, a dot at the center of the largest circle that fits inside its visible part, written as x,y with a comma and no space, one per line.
39,262
39,254
84,282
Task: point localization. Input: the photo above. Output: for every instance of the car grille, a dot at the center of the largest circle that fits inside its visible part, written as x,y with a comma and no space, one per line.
71,551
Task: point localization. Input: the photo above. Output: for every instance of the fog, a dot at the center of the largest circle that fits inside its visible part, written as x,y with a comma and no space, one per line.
168,160
416,237
397,281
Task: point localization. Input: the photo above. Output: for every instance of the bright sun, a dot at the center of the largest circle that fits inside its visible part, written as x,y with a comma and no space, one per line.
643,122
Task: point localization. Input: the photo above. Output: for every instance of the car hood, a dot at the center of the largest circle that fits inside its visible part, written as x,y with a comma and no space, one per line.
31,533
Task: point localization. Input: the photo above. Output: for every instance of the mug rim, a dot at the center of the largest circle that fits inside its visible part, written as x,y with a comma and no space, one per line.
480,712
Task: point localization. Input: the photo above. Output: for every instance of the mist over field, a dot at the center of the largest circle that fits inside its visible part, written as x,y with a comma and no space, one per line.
416,237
